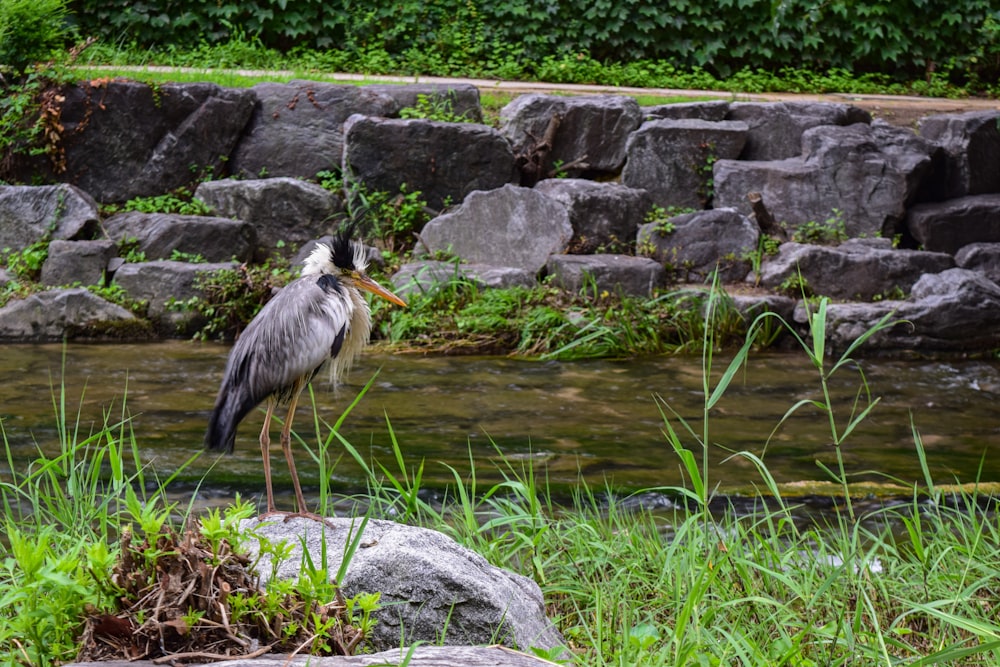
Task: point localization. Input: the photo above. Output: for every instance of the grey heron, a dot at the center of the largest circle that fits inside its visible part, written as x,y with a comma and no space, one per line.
319,316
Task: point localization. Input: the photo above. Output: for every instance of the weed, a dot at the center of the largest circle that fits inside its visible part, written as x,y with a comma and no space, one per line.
704,169
435,107
796,285
190,257
181,201
27,262
394,218
231,297
128,250
661,217
767,246
895,293
115,293
832,231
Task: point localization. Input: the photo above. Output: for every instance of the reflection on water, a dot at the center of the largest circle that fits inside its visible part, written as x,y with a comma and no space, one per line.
595,419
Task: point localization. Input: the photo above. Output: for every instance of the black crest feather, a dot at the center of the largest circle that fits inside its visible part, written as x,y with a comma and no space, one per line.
343,254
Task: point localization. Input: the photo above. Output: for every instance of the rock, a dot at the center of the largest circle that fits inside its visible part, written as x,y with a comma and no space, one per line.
443,161
459,99
165,286
163,235
125,139
432,589
713,110
426,276
509,226
632,276
858,269
971,143
981,257
750,306
865,174
956,310
418,656
297,128
83,262
776,128
73,313
285,213
948,226
592,129
672,159
601,213
703,242
29,214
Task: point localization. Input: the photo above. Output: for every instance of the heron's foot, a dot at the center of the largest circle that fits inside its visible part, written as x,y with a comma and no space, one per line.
285,516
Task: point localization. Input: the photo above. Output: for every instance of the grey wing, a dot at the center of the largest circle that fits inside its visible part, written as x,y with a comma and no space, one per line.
281,348
291,337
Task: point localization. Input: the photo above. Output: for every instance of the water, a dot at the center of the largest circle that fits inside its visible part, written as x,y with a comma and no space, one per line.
599,420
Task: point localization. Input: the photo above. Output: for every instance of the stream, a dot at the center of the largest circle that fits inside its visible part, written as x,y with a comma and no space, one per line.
601,421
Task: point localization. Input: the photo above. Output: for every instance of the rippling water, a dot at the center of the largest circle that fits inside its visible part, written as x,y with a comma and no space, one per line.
594,419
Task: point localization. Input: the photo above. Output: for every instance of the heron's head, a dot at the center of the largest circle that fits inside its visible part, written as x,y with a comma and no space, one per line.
346,260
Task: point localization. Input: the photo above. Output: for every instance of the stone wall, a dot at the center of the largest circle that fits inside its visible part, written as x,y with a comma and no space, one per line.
562,187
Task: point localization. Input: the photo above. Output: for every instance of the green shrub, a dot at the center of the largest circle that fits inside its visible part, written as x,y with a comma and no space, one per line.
31,31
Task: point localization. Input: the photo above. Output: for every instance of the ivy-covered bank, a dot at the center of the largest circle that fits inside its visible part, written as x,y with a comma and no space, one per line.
577,41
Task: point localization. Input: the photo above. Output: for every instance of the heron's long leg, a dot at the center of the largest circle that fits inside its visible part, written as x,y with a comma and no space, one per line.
286,446
265,452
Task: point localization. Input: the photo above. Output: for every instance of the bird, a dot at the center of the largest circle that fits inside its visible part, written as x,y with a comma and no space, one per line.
318,317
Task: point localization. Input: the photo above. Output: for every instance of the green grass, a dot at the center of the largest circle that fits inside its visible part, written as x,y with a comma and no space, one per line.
700,583
550,323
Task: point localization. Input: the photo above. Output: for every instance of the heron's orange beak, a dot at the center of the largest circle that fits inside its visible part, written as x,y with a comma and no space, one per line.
369,285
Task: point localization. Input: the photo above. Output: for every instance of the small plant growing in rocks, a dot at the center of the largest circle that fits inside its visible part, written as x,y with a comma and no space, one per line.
435,107
832,231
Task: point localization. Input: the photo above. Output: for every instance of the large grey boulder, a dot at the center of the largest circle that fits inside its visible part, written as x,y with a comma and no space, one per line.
459,99
426,276
712,110
509,226
592,129
297,128
701,243
83,262
672,159
165,286
600,213
443,161
29,214
981,257
860,269
871,174
949,225
161,235
73,313
776,128
423,655
632,276
124,139
955,310
285,213
431,588
971,143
